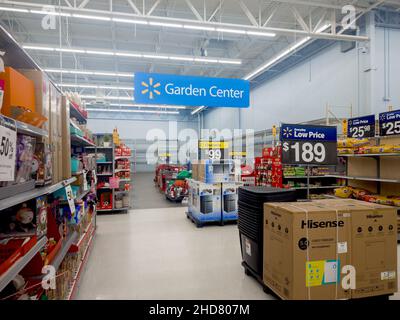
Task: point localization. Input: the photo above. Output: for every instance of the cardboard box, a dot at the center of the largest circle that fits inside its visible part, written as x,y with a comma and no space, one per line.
205,201
306,245
65,138
42,94
215,171
19,92
229,200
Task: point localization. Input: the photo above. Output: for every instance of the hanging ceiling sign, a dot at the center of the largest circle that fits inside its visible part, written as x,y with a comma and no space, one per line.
362,127
153,88
389,123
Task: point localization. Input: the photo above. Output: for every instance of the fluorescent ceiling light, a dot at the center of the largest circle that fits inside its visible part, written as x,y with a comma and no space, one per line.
14,9
165,24
181,58
69,50
147,106
135,55
154,56
202,28
129,21
231,30
90,17
284,53
94,97
38,48
133,111
197,110
93,86
50,13
104,53
262,34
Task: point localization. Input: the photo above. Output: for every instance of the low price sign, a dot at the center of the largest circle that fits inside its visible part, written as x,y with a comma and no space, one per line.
389,123
362,127
304,144
8,142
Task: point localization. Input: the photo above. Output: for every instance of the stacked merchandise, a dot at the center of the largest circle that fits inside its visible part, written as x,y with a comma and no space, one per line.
178,189
365,146
250,222
346,192
165,173
213,191
307,245
268,168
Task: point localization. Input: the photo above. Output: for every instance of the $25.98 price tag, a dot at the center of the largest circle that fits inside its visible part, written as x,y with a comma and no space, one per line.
303,144
8,142
362,127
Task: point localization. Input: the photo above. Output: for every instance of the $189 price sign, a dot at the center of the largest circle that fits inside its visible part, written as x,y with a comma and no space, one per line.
309,144
8,142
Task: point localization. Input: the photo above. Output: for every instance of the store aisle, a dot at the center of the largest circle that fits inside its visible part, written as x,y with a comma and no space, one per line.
146,196
159,254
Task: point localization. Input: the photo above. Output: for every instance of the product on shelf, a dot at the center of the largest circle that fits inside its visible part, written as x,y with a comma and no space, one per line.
365,195
42,165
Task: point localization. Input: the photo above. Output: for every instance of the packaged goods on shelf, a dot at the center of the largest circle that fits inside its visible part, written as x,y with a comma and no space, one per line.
365,195
26,219
352,233
42,165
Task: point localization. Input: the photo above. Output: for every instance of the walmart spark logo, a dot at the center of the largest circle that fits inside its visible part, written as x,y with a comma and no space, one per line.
151,88
287,132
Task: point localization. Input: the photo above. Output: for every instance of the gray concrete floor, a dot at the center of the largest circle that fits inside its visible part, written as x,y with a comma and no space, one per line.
159,254
145,195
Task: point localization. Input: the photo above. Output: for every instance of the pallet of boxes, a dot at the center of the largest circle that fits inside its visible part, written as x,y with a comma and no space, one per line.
213,191
330,249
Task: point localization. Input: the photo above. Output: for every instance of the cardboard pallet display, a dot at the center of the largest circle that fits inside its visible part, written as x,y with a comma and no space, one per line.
306,245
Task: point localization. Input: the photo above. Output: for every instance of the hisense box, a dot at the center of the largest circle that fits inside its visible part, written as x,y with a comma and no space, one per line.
306,245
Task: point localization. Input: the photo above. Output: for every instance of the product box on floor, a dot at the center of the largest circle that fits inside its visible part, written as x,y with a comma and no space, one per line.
229,191
306,245
205,201
215,171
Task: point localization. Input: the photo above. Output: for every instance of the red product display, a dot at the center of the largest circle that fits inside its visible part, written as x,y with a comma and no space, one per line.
268,168
165,173
106,201
12,249
248,175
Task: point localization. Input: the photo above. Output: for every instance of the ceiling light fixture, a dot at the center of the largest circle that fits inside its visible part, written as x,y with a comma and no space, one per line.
94,97
134,55
132,111
130,21
14,9
147,106
283,54
197,110
164,24
94,86
91,17
50,13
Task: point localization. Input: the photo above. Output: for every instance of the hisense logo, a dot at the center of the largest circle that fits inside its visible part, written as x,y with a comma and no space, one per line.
151,88
310,224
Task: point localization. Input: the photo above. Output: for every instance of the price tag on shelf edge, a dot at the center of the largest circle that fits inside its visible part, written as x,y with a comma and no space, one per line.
389,123
362,127
8,143
70,198
85,183
304,144
213,150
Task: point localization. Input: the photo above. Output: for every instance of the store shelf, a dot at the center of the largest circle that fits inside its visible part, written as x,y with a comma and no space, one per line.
80,141
67,243
105,162
121,192
92,147
104,210
122,170
25,196
121,209
75,113
11,273
365,178
124,180
305,177
122,157
371,155
315,187
105,174
80,267
25,128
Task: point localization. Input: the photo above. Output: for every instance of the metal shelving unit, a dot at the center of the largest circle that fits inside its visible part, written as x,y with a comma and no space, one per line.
80,141
11,273
365,178
371,155
38,192
64,249
315,187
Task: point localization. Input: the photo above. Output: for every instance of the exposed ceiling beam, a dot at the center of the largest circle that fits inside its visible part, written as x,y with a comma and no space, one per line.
111,16
194,10
248,13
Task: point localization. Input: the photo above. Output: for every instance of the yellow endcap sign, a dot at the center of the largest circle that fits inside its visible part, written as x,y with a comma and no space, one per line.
213,145
238,153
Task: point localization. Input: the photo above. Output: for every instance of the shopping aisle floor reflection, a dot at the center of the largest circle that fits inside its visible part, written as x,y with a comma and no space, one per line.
159,254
